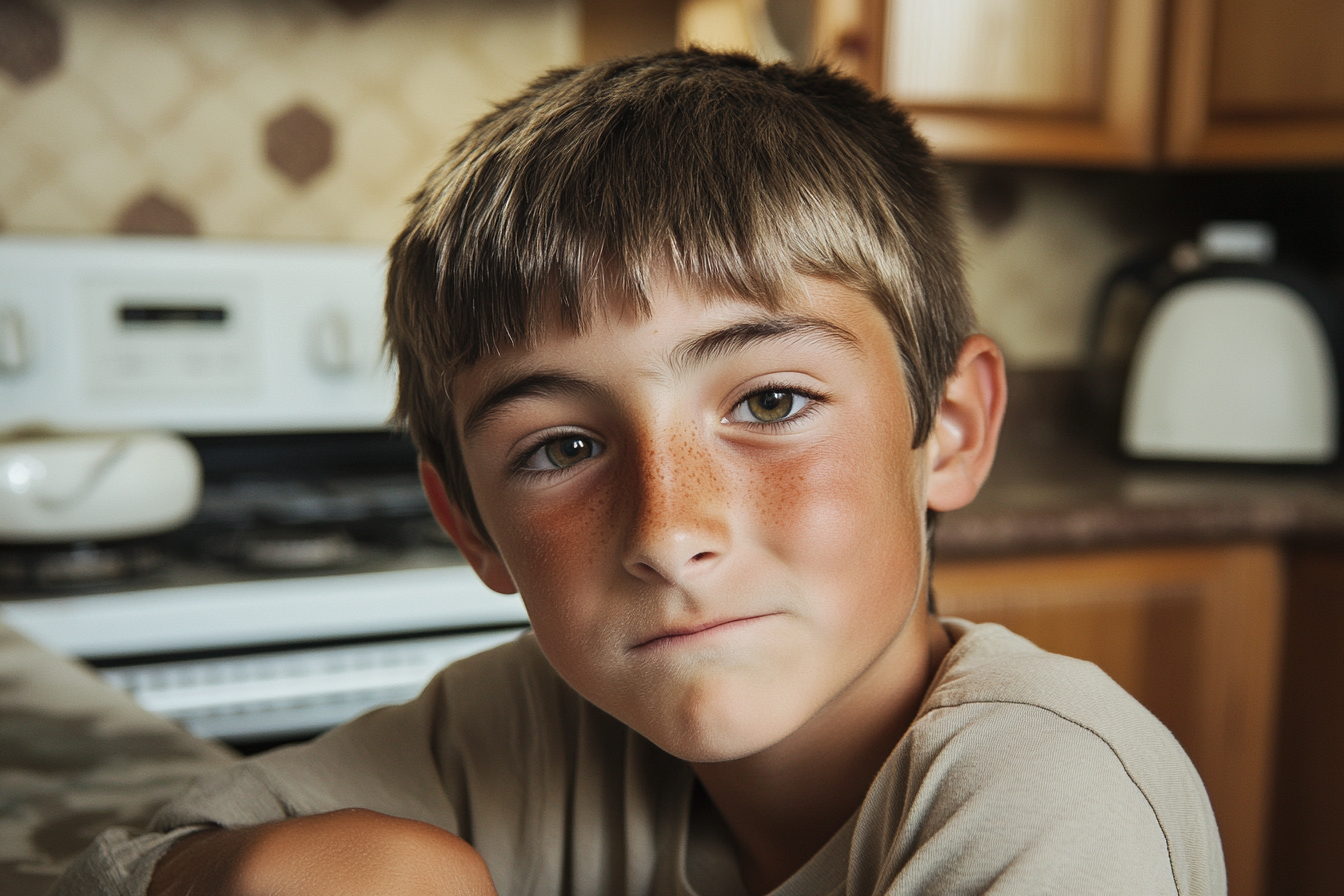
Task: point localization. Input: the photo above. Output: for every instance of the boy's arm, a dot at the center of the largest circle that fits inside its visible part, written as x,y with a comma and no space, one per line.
351,851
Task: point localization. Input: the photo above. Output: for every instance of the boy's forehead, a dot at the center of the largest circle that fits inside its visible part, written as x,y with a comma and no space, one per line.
685,303
683,322
706,304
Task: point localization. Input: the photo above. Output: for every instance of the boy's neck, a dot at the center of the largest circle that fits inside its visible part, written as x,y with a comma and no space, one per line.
783,804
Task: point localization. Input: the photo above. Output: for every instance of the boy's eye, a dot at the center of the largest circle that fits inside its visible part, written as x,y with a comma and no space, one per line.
769,406
562,452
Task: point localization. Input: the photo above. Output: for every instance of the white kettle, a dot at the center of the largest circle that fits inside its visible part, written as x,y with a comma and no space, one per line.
1235,362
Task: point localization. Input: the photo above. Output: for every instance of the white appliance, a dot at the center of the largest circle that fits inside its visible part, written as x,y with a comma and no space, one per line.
1236,362
311,584
83,486
188,335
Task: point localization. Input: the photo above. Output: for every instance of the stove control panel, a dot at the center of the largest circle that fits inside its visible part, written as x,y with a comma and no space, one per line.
191,335
169,343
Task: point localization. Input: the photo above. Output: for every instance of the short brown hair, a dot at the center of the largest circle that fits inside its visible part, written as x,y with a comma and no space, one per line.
711,168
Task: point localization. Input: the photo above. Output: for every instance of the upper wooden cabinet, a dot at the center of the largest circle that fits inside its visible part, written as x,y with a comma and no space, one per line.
1116,82
1256,82
1133,83
1029,80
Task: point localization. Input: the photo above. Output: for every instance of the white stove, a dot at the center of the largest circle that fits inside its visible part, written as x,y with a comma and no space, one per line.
311,585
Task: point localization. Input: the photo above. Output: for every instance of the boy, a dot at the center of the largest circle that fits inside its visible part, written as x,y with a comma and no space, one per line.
684,344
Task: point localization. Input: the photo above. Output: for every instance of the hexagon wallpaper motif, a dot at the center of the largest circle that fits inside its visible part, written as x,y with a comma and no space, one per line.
300,119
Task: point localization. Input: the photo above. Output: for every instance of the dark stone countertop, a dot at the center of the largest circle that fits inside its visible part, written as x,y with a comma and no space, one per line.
1058,485
77,756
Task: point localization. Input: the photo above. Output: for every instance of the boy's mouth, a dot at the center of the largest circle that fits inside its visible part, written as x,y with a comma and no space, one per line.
682,634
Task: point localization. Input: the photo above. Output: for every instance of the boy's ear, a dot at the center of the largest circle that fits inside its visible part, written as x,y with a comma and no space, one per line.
479,553
966,430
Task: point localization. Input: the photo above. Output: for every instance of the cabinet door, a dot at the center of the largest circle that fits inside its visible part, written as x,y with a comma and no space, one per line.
1308,829
1257,82
1193,633
611,28
1065,81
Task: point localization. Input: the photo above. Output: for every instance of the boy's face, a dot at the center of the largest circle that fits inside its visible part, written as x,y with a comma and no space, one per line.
713,514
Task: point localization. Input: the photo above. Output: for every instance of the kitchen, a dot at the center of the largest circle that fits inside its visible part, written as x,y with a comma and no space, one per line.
315,147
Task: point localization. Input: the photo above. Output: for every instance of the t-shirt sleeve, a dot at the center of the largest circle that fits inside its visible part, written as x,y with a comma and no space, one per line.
1017,800
1036,774
391,760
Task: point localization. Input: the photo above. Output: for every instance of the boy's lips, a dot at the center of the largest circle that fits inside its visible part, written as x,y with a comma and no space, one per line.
682,633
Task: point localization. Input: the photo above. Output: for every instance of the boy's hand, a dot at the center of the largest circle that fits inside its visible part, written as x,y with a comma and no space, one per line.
352,851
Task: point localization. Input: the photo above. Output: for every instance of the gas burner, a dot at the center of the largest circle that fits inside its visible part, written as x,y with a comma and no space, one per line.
316,501
76,566
292,549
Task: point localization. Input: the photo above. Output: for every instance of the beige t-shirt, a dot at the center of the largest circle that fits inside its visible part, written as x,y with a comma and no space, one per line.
1023,773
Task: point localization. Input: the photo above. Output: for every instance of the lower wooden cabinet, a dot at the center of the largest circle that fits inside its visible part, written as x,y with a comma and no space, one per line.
1193,632
1306,858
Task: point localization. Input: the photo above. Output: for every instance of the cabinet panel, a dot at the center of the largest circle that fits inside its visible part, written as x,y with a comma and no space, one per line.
1029,80
1275,59
610,28
1193,633
1027,55
847,34
1117,83
1306,859
1256,83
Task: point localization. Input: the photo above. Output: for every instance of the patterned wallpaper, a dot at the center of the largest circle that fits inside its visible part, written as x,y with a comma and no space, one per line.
300,119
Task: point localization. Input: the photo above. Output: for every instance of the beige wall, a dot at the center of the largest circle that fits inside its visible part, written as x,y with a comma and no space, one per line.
1041,241
168,103
1033,276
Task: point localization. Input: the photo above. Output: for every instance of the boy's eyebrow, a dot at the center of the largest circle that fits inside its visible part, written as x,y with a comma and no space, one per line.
530,385
693,351
700,349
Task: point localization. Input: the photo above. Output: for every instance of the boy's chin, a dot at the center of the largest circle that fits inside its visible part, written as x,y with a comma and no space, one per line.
701,751
711,739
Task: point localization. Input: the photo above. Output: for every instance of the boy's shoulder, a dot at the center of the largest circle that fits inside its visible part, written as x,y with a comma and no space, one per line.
1040,753
990,672
990,664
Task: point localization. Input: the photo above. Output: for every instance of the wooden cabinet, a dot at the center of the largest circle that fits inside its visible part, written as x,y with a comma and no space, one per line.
1256,82
1308,826
610,28
1106,82
1119,83
1029,80
1192,632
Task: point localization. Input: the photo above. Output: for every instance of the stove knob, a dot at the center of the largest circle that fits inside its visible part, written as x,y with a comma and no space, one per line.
13,347
332,353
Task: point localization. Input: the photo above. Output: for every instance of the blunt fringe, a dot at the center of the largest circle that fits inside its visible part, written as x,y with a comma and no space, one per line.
712,169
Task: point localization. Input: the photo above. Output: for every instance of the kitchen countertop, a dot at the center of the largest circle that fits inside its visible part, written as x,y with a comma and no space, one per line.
76,757
1059,486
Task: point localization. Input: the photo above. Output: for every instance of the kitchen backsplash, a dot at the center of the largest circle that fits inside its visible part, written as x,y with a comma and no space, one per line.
1036,244
1039,241
249,119
317,119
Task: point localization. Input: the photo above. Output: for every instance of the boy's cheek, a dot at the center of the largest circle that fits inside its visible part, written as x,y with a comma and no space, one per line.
550,537
840,493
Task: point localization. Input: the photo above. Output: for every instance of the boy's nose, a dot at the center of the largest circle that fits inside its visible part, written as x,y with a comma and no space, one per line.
678,524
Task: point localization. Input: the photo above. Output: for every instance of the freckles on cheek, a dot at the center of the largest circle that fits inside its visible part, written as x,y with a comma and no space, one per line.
554,541
838,498
819,486
806,496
